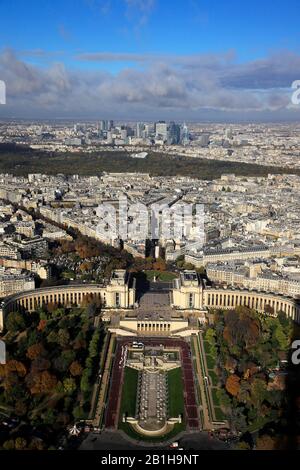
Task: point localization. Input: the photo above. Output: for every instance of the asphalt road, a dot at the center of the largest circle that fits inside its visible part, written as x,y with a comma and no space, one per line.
113,440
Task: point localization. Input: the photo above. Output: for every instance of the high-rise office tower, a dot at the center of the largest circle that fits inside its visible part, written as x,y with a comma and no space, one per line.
204,140
161,130
173,133
103,125
184,134
228,134
139,129
124,134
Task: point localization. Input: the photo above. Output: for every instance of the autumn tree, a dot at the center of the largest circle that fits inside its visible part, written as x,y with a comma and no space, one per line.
15,366
34,351
265,442
42,325
40,363
43,383
242,328
159,265
75,369
233,385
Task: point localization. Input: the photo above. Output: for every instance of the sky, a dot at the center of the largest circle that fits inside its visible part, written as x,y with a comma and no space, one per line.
194,60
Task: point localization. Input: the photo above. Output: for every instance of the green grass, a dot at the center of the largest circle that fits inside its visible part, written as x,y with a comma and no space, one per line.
258,424
68,275
164,276
210,361
215,397
175,388
219,414
206,346
129,392
214,378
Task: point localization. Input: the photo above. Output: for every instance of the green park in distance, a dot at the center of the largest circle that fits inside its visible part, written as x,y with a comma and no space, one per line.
21,160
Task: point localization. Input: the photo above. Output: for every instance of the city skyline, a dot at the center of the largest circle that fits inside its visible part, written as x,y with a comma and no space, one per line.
149,60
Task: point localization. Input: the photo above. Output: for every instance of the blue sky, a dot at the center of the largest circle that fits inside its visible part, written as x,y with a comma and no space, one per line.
109,45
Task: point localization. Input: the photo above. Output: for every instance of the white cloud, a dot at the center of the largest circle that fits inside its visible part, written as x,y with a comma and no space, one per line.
181,87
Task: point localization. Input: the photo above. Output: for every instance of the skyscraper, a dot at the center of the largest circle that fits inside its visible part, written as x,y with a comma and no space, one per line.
173,133
139,129
161,130
184,137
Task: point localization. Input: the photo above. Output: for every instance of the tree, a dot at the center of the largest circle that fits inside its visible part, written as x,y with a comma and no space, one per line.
233,385
231,364
69,385
62,362
16,366
85,383
36,444
242,445
78,412
223,398
188,266
269,310
20,443
159,265
48,417
180,261
79,342
238,418
63,337
94,344
43,383
42,325
9,445
40,363
20,408
283,319
242,327
15,322
210,336
34,351
51,306
258,392
244,392
75,369
282,338
265,442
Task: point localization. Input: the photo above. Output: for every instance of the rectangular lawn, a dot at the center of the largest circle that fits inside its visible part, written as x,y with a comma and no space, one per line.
129,392
175,389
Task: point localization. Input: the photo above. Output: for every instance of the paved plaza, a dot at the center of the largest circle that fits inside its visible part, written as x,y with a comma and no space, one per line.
153,400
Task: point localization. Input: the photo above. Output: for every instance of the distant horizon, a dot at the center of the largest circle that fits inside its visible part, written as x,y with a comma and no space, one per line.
179,121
